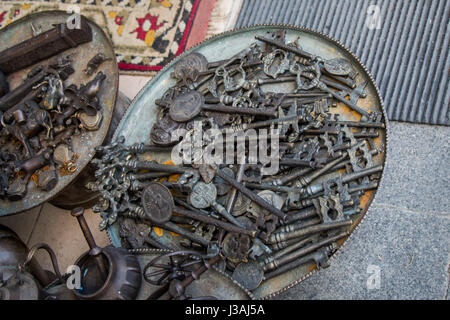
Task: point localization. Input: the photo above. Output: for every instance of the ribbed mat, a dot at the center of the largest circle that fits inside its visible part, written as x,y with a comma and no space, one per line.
408,55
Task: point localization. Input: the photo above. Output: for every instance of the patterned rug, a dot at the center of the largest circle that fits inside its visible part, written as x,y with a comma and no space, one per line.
146,34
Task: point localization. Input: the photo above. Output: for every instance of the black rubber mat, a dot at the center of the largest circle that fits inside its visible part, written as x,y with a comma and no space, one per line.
406,49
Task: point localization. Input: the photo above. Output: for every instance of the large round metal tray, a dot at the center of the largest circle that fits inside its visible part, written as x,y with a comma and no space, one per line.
142,113
84,144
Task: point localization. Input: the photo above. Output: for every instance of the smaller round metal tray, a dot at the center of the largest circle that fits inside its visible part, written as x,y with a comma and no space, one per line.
83,144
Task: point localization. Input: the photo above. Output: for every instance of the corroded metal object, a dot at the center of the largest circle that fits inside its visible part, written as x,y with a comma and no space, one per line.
185,107
338,67
177,287
202,277
157,202
95,62
21,276
76,194
107,273
236,247
222,187
308,92
190,66
16,127
123,279
51,102
161,133
22,286
203,195
44,45
174,265
249,274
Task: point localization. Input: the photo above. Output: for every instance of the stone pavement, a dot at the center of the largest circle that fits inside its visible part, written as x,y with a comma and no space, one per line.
401,249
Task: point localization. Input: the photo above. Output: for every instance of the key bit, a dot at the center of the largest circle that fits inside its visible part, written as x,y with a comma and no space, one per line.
277,262
204,195
253,196
319,257
278,237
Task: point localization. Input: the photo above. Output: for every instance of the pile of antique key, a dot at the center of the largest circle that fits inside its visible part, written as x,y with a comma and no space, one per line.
41,115
259,225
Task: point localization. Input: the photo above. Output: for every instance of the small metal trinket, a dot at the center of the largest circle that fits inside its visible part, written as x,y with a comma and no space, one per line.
203,195
62,154
90,123
222,187
249,274
157,202
189,66
95,62
241,205
161,133
186,106
236,247
338,67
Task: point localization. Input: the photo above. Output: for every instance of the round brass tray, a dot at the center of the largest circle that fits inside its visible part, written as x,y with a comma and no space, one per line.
83,144
142,113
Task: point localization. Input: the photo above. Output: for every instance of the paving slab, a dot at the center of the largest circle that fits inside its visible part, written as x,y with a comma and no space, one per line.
417,173
447,296
61,232
22,223
131,85
408,250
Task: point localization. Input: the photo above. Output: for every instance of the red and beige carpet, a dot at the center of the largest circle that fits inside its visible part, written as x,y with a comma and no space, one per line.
146,34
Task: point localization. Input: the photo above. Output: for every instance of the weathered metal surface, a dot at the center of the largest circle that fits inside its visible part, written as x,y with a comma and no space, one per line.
227,45
122,281
84,144
22,286
76,194
157,202
44,45
107,273
213,282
